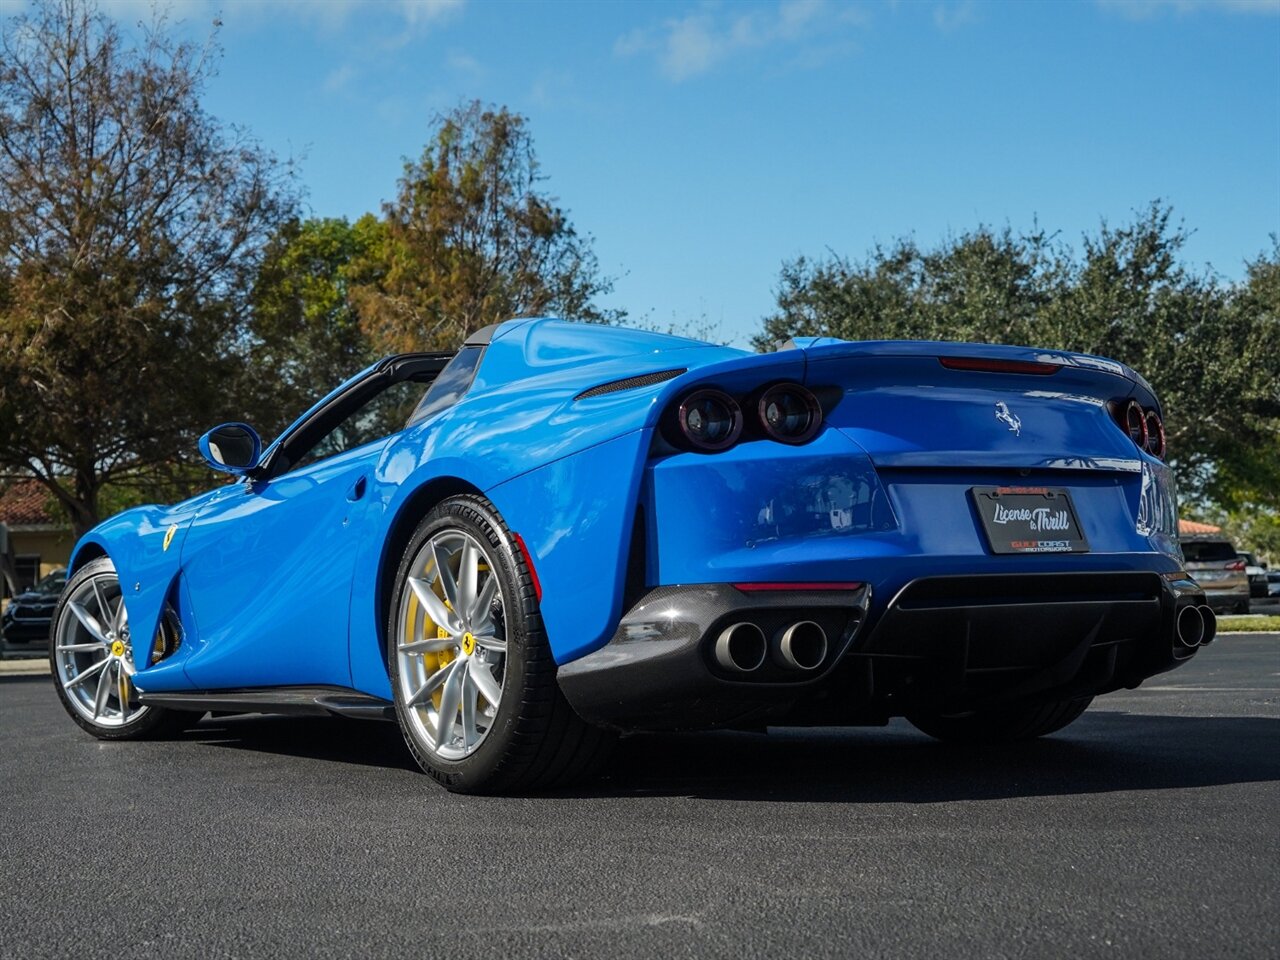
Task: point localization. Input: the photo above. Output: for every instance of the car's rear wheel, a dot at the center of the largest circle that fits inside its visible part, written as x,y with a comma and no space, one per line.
91,657
1003,725
471,671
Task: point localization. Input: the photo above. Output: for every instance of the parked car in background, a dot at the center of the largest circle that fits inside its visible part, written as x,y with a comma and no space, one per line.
26,620
1215,564
1273,585
1257,574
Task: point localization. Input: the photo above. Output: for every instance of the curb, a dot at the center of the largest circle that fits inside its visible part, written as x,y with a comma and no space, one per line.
24,668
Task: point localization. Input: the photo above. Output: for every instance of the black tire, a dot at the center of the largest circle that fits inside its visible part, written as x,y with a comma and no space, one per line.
536,741
1243,607
147,723
1001,726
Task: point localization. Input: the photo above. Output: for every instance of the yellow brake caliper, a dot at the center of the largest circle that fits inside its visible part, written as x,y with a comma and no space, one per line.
431,661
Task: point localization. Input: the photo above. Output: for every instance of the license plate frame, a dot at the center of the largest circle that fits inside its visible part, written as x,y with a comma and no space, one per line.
1028,520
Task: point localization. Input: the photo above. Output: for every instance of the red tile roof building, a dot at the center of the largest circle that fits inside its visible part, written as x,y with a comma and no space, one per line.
1190,528
25,503
37,537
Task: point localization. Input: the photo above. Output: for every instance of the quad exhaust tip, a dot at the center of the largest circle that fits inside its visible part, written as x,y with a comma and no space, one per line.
1190,629
741,647
801,646
1210,624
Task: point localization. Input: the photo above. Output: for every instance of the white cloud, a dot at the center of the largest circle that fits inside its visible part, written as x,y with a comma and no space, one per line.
952,16
430,11
339,78
1149,9
329,14
552,88
693,46
795,15
694,43
465,64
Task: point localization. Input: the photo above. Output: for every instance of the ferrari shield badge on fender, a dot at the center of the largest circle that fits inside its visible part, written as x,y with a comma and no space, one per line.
168,536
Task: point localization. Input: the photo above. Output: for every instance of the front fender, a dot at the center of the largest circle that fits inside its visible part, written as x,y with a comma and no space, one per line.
145,545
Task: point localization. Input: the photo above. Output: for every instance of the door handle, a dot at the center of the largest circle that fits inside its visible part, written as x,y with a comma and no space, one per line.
357,489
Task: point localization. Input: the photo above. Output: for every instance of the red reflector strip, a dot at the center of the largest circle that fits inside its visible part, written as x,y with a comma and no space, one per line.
528,562
999,366
753,587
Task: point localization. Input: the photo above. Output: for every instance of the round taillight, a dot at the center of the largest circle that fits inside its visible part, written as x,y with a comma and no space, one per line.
1135,424
789,413
710,420
1155,434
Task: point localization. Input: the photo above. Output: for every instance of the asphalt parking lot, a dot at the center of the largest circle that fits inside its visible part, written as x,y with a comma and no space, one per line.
1149,828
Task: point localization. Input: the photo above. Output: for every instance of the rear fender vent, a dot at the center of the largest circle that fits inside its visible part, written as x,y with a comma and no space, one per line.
630,383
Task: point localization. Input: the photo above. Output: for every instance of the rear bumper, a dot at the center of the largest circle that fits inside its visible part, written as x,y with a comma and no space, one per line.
659,671
939,643
1225,596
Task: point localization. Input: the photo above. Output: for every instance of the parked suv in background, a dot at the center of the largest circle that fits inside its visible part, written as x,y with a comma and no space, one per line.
1220,570
25,624
1257,574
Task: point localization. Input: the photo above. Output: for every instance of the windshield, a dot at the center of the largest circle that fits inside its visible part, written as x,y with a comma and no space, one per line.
51,583
383,415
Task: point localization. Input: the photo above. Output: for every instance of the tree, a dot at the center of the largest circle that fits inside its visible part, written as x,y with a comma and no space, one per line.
1209,349
131,225
981,286
470,240
1247,475
305,328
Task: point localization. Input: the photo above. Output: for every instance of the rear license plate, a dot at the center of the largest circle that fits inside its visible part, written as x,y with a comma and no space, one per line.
1029,520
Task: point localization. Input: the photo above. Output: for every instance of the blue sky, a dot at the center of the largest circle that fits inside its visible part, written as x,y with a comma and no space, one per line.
703,143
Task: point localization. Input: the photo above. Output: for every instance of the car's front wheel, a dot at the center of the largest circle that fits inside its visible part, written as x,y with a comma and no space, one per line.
91,656
471,670
1001,726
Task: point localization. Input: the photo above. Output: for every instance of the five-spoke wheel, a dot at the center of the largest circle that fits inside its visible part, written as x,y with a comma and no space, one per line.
471,671
91,654
451,645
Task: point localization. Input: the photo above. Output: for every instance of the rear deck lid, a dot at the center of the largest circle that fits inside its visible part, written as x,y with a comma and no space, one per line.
937,405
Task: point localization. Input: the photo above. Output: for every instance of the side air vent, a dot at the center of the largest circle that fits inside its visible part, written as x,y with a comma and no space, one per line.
630,383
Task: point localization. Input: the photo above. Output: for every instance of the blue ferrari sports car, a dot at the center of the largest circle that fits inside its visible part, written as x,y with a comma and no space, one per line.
566,531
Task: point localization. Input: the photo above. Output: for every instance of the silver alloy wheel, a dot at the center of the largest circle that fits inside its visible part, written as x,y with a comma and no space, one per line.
451,647
93,652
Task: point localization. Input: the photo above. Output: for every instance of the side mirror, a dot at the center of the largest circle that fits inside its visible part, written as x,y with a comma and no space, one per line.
232,448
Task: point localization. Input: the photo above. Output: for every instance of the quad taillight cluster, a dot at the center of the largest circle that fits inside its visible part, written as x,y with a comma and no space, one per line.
709,420
1144,427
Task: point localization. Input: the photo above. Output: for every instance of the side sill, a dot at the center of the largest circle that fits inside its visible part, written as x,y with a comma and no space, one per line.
297,701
